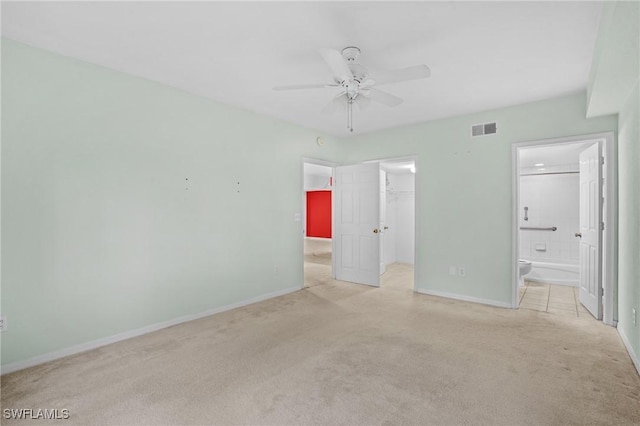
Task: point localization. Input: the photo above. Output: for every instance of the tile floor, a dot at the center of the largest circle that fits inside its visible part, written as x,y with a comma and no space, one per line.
554,299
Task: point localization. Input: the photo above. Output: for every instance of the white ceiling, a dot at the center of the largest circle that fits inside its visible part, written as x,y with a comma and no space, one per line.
552,156
389,166
317,170
397,166
482,55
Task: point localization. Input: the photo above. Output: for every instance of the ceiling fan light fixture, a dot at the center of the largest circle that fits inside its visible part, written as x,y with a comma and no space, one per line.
353,80
351,89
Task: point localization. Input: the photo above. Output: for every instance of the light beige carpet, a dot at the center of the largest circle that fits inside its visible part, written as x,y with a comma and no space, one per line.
341,353
317,262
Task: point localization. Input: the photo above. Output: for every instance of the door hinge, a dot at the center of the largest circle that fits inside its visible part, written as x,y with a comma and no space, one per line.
602,226
602,160
602,291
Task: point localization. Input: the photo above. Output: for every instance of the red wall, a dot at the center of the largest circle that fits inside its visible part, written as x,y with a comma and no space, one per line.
319,214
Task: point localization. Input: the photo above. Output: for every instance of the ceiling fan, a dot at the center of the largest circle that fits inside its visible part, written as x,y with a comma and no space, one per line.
356,85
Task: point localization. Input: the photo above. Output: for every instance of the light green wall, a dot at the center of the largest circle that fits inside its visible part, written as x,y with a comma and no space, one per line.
100,235
615,65
464,188
629,220
614,88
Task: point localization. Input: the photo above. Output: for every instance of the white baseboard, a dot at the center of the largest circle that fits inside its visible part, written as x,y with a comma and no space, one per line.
72,350
632,354
465,298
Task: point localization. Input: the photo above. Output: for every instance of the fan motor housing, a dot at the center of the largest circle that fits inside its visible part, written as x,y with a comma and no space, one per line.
358,71
351,54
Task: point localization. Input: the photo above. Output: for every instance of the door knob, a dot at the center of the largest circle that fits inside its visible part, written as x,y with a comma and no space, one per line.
375,231
578,234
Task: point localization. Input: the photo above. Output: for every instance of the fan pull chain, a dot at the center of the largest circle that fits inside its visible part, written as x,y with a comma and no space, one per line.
350,115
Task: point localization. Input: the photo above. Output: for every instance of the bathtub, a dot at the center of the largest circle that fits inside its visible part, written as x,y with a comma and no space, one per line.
554,273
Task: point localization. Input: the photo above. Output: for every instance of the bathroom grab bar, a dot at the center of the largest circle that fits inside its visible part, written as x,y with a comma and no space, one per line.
534,228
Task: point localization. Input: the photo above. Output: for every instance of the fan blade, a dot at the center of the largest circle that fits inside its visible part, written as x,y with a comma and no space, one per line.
367,83
404,74
383,97
334,104
304,86
363,102
338,65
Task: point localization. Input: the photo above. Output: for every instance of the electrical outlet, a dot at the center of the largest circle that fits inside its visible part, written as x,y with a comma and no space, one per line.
461,271
634,317
3,323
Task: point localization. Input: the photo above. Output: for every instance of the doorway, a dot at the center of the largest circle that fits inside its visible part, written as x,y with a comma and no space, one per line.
317,222
398,215
389,201
375,221
563,237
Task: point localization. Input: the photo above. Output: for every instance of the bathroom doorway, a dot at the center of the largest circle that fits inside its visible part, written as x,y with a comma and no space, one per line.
562,236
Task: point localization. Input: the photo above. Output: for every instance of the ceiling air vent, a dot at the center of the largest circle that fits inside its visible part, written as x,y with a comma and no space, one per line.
484,129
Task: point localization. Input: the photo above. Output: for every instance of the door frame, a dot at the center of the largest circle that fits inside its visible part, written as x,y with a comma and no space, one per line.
303,209
416,208
609,235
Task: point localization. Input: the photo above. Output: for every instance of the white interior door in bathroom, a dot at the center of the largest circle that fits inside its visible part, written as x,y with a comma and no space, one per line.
356,221
590,233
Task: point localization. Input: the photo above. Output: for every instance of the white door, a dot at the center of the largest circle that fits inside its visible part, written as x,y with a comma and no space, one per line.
357,221
383,218
590,230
